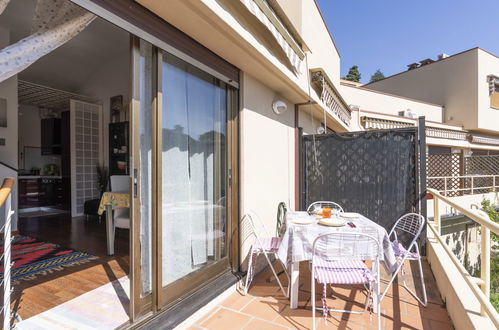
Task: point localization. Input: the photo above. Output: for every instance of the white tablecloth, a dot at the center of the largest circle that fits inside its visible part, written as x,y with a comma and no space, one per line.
298,239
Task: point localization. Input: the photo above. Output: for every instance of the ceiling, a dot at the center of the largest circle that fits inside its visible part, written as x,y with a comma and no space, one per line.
77,60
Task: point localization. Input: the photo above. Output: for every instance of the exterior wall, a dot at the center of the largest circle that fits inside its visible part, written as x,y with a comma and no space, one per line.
488,117
324,53
229,30
374,101
293,11
267,157
452,82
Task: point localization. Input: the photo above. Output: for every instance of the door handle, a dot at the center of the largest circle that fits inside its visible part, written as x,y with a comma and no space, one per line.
135,188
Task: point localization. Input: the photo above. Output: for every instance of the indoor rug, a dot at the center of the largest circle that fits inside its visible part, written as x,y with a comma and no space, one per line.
104,308
33,257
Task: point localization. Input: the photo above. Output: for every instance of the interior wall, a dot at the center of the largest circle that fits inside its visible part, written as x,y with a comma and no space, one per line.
267,157
109,79
8,152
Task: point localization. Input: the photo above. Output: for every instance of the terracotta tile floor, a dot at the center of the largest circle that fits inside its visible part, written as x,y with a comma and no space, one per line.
266,308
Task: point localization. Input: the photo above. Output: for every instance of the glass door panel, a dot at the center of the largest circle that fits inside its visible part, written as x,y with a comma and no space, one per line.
193,160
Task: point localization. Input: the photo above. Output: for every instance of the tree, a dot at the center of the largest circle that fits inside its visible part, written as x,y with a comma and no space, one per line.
353,74
378,75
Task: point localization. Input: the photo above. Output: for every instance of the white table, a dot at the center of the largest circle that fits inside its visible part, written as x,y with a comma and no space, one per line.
297,243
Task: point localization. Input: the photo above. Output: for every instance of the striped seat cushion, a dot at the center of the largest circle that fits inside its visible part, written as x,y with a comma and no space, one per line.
400,251
342,272
270,244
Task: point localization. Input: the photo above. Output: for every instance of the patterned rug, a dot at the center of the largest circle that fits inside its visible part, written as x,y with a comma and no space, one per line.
33,257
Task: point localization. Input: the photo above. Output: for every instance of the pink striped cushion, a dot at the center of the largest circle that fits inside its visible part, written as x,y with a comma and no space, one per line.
342,272
270,244
400,251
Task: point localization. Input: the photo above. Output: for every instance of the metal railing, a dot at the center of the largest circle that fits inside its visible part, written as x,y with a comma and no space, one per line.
479,286
6,203
468,184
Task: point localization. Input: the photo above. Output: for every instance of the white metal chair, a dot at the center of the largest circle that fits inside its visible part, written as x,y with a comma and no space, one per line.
337,259
411,225
121,216
322,204
262,245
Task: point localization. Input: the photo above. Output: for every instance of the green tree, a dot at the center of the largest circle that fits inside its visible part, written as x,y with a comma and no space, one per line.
353,74
378,75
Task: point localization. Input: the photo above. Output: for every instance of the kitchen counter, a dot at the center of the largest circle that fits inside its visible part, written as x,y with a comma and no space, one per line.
32,177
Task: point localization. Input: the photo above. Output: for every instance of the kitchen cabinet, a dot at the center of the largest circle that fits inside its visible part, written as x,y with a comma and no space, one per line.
51,136
40,191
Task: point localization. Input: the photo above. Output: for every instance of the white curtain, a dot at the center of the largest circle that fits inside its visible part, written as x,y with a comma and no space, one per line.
3,4
193,115
55,23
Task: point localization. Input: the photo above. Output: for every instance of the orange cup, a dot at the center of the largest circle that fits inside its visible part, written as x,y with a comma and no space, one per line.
326,212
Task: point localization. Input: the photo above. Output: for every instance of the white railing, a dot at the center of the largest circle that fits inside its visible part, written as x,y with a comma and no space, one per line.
6,203
468,184
479,286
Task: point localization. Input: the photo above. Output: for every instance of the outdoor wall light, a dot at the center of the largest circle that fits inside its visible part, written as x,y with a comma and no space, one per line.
279,107
320,130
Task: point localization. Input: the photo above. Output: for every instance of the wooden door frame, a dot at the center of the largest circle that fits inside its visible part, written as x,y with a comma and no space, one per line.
140,306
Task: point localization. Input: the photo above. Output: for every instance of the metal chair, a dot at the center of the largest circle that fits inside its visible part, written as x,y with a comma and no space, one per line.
121,216
411,225
281,219
337,259
262,245
322,204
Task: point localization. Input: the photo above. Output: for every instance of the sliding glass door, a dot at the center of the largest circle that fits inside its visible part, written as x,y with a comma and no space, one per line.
193,223
184,202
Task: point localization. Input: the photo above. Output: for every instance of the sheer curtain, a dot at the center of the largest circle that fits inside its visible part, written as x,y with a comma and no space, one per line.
193,132
55,22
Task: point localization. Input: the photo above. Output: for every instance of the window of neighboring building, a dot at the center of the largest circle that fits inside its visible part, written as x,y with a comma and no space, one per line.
494,91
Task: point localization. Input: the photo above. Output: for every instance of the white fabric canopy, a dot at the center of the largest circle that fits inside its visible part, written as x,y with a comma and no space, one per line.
3,4
55,23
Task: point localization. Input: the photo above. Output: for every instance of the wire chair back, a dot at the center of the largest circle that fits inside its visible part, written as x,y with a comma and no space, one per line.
409,226
258,228
338,246
322,204
281,219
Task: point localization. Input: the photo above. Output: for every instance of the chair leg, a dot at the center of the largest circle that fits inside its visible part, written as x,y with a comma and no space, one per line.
275,274
248,274
312,288
423,302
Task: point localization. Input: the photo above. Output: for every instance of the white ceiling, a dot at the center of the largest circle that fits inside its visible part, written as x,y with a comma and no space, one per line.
66,67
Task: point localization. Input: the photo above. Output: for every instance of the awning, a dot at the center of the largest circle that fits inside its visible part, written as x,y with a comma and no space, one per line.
261,10
443,133
484,139
376,123
434,132
331,99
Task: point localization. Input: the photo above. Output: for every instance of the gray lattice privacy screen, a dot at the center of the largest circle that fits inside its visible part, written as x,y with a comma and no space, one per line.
371,172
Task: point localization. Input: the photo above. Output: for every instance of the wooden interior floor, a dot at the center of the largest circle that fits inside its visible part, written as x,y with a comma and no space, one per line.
47,291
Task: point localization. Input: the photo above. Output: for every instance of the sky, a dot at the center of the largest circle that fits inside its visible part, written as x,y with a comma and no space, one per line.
389,34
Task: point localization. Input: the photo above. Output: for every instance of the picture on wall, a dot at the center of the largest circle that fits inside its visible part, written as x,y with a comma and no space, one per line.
3,112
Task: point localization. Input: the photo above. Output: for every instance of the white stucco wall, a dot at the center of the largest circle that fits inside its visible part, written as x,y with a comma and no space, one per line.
267,156
389,104
488,118
452,82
